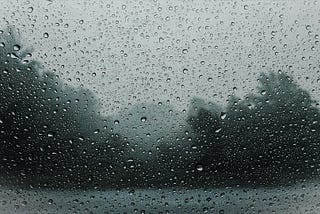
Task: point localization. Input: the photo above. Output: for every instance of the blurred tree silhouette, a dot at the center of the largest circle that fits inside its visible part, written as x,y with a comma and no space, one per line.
51,134
266,138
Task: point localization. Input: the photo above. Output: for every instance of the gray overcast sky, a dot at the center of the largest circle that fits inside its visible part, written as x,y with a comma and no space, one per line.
131,52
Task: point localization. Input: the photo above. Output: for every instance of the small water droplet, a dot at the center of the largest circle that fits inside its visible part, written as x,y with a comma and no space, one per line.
16,47
45,35
218,130
13,56
223,115
143,119
50,201
30,9
50,134
185,71
200,167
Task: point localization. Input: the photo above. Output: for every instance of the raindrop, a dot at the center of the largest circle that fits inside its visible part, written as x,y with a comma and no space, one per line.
143,119
16,47
50,201
200,167
223,115
13,56
30,9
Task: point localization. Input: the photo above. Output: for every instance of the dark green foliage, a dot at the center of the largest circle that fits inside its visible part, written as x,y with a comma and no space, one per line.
265,139
50,134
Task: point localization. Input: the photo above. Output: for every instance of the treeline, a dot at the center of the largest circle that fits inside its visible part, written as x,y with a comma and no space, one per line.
52,135
269,138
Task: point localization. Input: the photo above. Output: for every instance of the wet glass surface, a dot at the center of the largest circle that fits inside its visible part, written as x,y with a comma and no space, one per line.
159,107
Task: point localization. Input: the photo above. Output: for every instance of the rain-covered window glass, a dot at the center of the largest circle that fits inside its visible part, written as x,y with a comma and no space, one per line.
159,106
